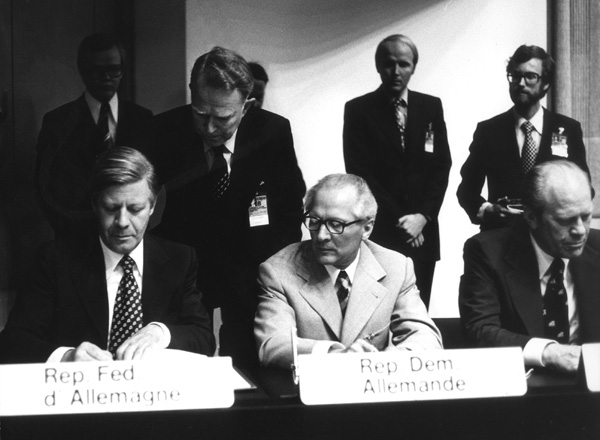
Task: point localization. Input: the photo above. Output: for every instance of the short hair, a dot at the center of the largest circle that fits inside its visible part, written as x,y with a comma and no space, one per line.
525,53
223,69
98,42
258,72
397,38
366,200
536,182
122,166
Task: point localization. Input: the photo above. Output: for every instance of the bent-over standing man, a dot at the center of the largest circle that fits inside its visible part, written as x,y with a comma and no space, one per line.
83,290
341,291
535,285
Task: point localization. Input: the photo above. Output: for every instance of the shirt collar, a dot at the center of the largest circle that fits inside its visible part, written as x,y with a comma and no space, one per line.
350,270
537,120
229,144
544,260
94,106
111,258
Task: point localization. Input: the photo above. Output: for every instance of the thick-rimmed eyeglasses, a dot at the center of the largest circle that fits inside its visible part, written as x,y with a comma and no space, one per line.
114,71
333,226
531,78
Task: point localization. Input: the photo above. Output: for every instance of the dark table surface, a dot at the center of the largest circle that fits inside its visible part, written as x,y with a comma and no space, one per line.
554,407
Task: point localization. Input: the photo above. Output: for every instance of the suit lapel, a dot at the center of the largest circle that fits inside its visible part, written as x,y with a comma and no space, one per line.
89,279
586,279
382,116
318,291
155,281
365,296
523,282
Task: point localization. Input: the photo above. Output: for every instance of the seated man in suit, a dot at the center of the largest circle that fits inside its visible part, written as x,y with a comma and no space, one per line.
535,285
234,190
341,291
505,147
75,134
83,289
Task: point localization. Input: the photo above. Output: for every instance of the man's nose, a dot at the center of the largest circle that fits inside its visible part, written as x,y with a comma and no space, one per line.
323,233
210,125
578,228
122,218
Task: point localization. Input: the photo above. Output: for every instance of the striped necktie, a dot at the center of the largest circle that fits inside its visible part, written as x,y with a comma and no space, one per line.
103,127
343,290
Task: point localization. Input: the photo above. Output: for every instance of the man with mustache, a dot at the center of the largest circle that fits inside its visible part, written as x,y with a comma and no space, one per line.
341,291
396,139
505,147
535,284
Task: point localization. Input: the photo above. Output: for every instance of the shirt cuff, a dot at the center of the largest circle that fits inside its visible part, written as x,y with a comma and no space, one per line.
58,354
323,347
532,353
481,211
165,341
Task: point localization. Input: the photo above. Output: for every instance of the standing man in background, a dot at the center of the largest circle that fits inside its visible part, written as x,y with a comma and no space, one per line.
234,190
75,134
507,146
260,83
396,140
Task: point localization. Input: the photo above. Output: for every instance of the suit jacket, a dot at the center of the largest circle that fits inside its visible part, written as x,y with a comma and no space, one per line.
68,145
296,291
228,248
494,155
65,303
409,182
500,299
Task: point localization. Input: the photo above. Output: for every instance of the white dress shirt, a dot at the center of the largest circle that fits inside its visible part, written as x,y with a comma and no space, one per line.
113,118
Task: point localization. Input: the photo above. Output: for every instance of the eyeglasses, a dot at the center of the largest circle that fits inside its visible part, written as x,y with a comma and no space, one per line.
114,71
531,78
333,226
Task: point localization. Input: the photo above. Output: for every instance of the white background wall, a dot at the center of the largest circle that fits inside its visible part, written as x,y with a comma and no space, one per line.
319,54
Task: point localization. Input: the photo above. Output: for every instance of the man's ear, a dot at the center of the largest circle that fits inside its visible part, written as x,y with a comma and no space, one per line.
530,218
546,87
367,229
249,103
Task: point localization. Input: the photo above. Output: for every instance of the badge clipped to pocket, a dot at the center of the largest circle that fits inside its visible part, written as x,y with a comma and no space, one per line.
258,213
559,143
429,139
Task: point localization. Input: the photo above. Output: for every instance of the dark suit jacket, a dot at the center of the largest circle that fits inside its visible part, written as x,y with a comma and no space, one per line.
296,291
403,183
65,303
500,299
494,154
68,145
229,250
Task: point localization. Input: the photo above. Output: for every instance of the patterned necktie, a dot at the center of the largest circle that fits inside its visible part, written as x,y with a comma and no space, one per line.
529,152
219,175
127,317
107,141
400,113
343,290
556,311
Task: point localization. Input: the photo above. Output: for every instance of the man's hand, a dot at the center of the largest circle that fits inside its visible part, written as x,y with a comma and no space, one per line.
412,225
360,346
86,351
495,211
561,357
147,339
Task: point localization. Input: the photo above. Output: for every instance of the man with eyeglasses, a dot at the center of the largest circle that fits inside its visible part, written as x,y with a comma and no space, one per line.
507,146
342,292
75,134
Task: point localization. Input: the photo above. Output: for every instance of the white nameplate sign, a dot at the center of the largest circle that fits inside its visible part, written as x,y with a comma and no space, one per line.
590,354
121,386
411,375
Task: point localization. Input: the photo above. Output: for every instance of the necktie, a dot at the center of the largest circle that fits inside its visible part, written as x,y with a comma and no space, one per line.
219,175
127,317
556,314
107,141
529,152
343,290
400,113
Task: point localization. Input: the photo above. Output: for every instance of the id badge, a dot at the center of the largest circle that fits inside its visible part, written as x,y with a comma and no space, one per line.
258,214
559,144
429,140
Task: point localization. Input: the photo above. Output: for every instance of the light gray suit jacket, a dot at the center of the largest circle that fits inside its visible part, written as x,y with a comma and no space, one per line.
297,291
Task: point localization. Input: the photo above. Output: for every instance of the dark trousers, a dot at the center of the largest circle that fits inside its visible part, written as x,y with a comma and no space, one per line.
424,272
